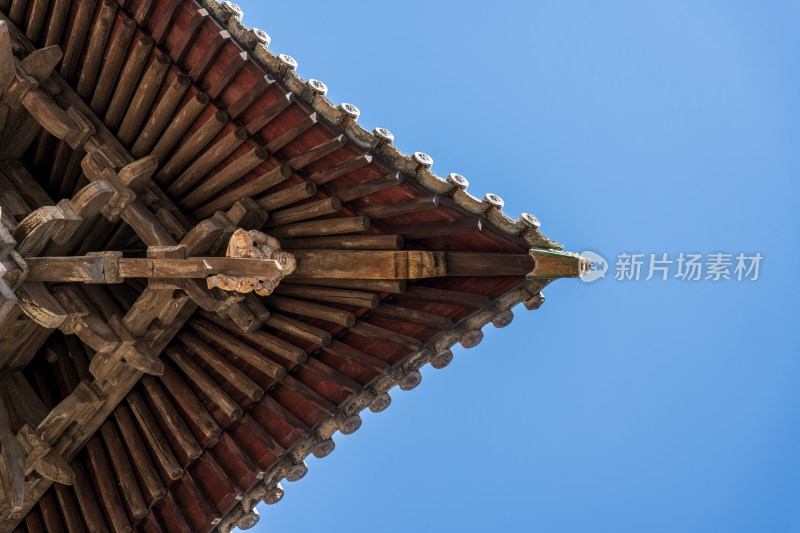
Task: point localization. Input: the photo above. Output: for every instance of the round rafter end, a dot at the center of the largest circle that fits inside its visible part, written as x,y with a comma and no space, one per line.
442,359
410,380
350,425
274,495
324,448
503,319
297,472
380,403
471,338
262,36
248,520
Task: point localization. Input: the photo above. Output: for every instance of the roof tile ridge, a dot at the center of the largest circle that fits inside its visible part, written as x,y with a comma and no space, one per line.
229,16
404,375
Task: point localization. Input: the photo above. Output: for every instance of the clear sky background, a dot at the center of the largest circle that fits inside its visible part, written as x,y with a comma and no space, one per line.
624,126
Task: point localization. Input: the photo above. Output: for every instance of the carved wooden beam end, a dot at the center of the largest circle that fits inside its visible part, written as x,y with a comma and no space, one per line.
553,264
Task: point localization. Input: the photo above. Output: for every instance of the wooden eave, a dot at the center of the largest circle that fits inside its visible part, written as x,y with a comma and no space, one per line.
184,121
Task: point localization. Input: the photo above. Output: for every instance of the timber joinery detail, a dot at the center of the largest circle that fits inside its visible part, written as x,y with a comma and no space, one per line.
207,269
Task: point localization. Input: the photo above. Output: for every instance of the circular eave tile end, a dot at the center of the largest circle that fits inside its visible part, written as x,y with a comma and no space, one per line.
423,159
234,10
318,87
458,180
350,109
288,61
383,134
262,36
494,200
529,220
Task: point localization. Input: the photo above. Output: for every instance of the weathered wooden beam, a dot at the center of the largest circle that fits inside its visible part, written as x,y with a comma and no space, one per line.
326,206
323,294
365,188
250,96
334,376
377,285
12,472
292,133
414,316
210,53
319,228
164,24
288,196
185,398
223,478
241,349
339,349
160,116
143,99
153,436
277,409
222,366
87,500
114,61
299,329
300,307
143,12
191,147
57,23
187,34
430,230
221,83
345,242
280,347
405,264
107,486
172,419
177,127
261,183
139,455
317,152
332,172
488,264
209,159
266,116
36,19
241,455
308,394
65,497
77,38
431,294
262,435
123,470
371,331
403,207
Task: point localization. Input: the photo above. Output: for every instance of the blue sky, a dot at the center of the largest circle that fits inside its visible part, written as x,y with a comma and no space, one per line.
624,126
